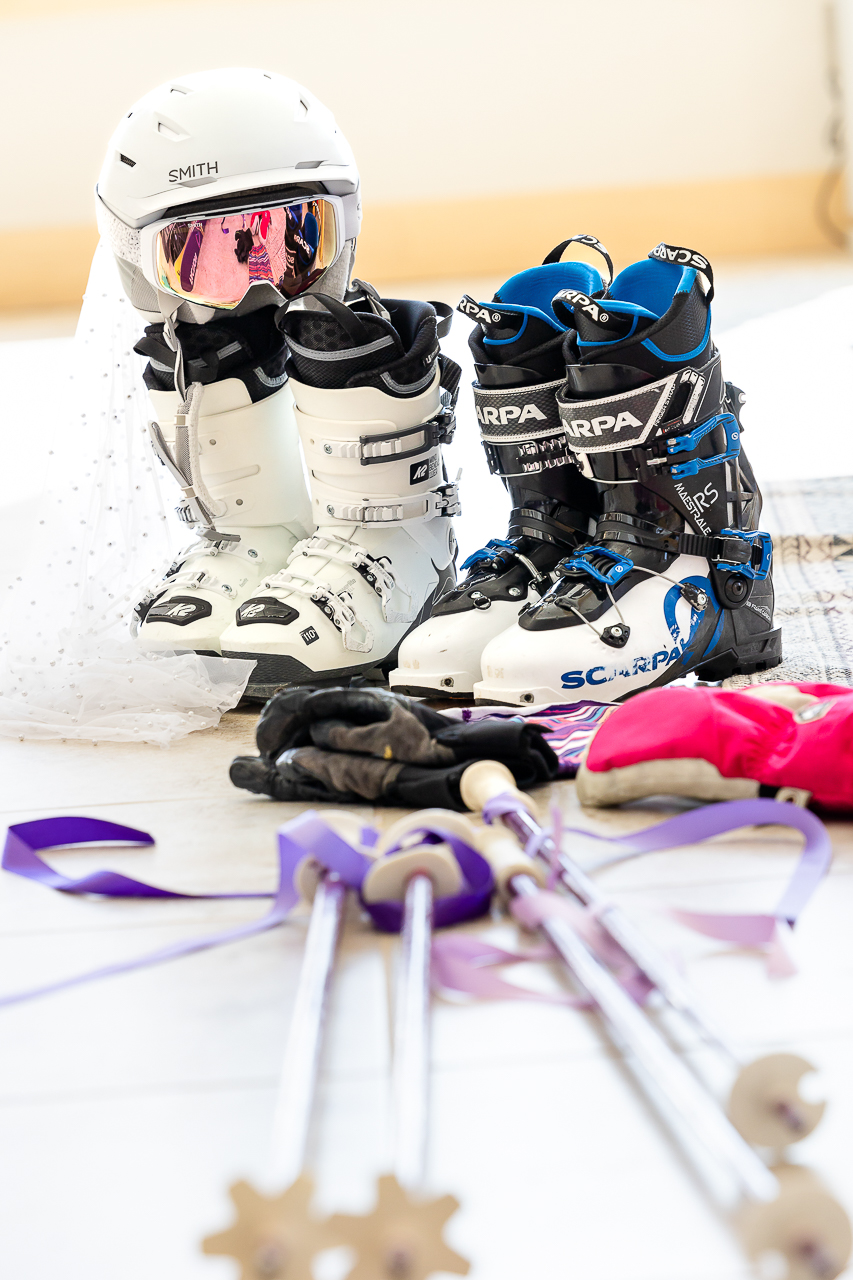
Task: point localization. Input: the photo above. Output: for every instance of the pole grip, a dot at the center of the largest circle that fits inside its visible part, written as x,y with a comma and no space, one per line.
501,851
486,779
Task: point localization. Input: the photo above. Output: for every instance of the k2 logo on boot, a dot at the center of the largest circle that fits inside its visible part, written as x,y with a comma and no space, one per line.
423,470
309,635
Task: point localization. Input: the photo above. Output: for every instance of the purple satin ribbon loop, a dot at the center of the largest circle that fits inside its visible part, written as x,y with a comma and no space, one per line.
25,838
702,824
307,834
470,903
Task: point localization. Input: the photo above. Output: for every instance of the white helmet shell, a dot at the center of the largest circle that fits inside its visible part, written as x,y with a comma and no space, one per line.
214,133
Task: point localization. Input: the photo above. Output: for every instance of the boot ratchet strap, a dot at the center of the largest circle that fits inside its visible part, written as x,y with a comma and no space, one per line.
442,501
387,446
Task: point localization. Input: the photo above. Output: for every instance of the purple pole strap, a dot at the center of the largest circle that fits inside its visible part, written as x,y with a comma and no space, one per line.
472,900
702,824
307,835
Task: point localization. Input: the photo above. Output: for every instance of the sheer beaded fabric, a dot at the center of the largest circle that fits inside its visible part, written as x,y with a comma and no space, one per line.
86,550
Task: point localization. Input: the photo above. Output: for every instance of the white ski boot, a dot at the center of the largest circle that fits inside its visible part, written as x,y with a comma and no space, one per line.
239,467
517,348
677,578
372,415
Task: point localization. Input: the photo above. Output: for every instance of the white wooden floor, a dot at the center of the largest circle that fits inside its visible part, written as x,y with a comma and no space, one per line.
127,1107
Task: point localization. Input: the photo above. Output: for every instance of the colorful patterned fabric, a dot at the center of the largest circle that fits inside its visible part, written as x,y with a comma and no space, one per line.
259,264
569,726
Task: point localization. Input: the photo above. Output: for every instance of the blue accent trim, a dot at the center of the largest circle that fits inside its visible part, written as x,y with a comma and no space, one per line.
534,288
650,282
685,284
501,342
684,355
715,637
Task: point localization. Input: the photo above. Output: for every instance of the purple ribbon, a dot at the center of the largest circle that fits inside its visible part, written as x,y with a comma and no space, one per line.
713,820
472,900
306,835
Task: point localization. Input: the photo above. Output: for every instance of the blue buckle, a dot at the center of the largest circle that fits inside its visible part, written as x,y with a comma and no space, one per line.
756,542
581,564
488,552
683,444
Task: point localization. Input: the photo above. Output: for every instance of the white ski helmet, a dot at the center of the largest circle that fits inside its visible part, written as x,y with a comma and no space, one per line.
202,142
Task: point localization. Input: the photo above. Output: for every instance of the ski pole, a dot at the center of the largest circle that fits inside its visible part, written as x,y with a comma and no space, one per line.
765,1102
305,1037
795,1216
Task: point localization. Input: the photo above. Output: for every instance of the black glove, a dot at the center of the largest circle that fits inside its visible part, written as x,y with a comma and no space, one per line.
352,745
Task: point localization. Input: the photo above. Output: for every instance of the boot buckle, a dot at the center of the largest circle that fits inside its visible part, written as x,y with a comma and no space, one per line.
581,562
683,444
750,553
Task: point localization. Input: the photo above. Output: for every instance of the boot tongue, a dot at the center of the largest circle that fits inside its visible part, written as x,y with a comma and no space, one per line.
508,330
600,320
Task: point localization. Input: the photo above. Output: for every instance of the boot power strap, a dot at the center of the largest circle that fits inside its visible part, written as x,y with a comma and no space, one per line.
517,413
388,446
630,418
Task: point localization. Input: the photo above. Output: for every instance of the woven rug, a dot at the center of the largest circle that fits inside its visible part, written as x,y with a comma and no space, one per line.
812,526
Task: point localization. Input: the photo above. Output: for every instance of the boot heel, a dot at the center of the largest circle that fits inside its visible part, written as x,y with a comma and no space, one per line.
760,652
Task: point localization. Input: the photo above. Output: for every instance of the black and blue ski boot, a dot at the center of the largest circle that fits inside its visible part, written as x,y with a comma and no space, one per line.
677,576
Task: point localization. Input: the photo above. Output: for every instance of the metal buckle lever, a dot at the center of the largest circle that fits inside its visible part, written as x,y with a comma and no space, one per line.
683,444
759,553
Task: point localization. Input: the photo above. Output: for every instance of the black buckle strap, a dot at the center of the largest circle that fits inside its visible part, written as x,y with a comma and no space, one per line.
530,523
730,548
438,430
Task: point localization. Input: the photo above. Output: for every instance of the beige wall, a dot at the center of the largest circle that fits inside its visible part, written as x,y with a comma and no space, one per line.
484,130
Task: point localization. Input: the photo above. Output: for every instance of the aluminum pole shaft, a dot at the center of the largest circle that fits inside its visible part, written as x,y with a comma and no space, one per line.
412,1035
672,1088
304,1041
658,969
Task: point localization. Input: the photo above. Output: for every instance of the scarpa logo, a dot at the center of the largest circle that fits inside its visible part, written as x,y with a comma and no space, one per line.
508,413
644,664
476,311
595,426
681,257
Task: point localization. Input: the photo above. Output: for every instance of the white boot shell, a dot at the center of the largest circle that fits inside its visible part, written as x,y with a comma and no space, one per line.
249,461
382,550
531,668
443,654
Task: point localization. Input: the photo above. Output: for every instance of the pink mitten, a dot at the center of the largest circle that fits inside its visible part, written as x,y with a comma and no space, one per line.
721,744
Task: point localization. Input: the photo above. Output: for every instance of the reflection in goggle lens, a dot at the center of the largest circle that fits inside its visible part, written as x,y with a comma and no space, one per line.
215,261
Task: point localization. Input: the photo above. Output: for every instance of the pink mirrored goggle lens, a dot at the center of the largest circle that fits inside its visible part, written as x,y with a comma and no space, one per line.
215,261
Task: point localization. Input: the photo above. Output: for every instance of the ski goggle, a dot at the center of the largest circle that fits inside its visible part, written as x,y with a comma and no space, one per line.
214,260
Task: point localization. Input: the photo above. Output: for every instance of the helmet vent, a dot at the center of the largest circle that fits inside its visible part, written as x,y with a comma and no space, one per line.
169,132
127,160
301,111
309,164
176,88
